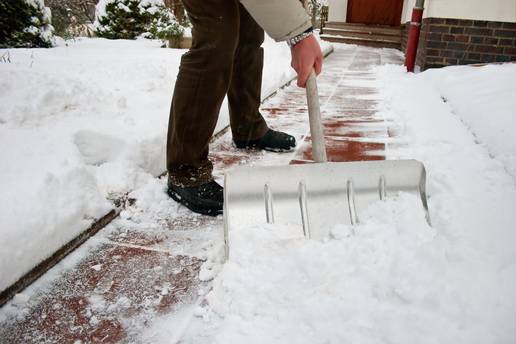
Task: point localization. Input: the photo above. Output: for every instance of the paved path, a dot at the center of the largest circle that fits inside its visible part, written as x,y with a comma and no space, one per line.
148,262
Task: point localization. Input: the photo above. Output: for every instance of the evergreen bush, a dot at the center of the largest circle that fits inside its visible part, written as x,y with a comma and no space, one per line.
25,24
69,15
165,26
128,19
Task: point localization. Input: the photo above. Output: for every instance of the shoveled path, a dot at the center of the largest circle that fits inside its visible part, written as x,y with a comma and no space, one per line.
149,262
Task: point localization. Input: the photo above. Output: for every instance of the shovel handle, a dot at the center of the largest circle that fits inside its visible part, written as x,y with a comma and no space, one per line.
314,115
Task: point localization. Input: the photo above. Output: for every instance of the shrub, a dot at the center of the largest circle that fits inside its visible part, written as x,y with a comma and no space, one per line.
69,15
128,19
165,26
25,24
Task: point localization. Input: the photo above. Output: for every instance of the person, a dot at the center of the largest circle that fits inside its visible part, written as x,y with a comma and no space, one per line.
226,58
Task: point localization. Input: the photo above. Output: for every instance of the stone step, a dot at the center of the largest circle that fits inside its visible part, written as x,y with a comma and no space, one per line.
363,35
372,29
362,41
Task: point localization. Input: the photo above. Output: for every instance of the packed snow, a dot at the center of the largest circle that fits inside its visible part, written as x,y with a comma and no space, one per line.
80,125
393,278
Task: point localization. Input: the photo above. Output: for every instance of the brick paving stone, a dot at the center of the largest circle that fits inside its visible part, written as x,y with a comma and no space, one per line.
348,105
148,262
100,297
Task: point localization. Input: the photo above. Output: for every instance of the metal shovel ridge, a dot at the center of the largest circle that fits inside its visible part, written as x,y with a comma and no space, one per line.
316,196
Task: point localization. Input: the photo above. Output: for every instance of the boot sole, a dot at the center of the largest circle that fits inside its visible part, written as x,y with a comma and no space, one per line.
269,149
193,207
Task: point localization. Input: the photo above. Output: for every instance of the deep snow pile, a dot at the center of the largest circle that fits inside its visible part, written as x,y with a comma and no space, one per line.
80,124
483,98
393,279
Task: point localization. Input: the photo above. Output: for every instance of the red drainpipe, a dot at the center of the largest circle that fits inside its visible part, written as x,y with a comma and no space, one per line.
413,37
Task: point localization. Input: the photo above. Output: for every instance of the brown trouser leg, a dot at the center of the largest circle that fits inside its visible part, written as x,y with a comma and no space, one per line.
225,58
246,83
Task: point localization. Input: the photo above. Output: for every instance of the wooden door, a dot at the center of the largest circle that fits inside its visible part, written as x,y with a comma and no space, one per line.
379,12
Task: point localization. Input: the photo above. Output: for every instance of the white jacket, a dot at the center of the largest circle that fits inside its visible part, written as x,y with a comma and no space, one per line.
281,19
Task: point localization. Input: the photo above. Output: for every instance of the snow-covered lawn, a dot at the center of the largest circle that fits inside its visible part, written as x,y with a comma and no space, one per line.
81,124
393,278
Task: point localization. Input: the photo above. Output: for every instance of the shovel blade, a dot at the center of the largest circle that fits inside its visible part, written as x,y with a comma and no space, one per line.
334,193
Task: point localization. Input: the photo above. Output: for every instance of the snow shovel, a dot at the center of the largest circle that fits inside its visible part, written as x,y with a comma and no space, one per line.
316,196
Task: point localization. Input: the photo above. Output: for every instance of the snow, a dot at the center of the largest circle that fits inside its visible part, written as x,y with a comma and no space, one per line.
123,7
150,6
324,291
483,98
100,11
80,125
393,278
74,121
46,30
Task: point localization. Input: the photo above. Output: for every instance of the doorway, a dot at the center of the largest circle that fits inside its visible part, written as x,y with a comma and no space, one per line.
376,12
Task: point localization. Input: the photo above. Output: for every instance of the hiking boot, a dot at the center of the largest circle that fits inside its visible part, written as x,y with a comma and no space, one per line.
275,141
206,199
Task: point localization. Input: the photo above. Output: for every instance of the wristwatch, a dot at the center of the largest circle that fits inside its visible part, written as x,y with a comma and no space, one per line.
294,40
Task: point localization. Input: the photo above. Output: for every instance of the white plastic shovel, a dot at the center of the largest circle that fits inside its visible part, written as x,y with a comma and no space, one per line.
315,196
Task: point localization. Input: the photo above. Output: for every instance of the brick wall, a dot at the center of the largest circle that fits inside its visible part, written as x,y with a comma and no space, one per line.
446,42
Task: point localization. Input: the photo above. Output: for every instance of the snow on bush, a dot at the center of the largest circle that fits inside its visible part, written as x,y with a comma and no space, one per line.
164,26
72,17
25,24
128,19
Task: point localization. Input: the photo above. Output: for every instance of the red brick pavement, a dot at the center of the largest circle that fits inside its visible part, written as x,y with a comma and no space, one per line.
147,264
